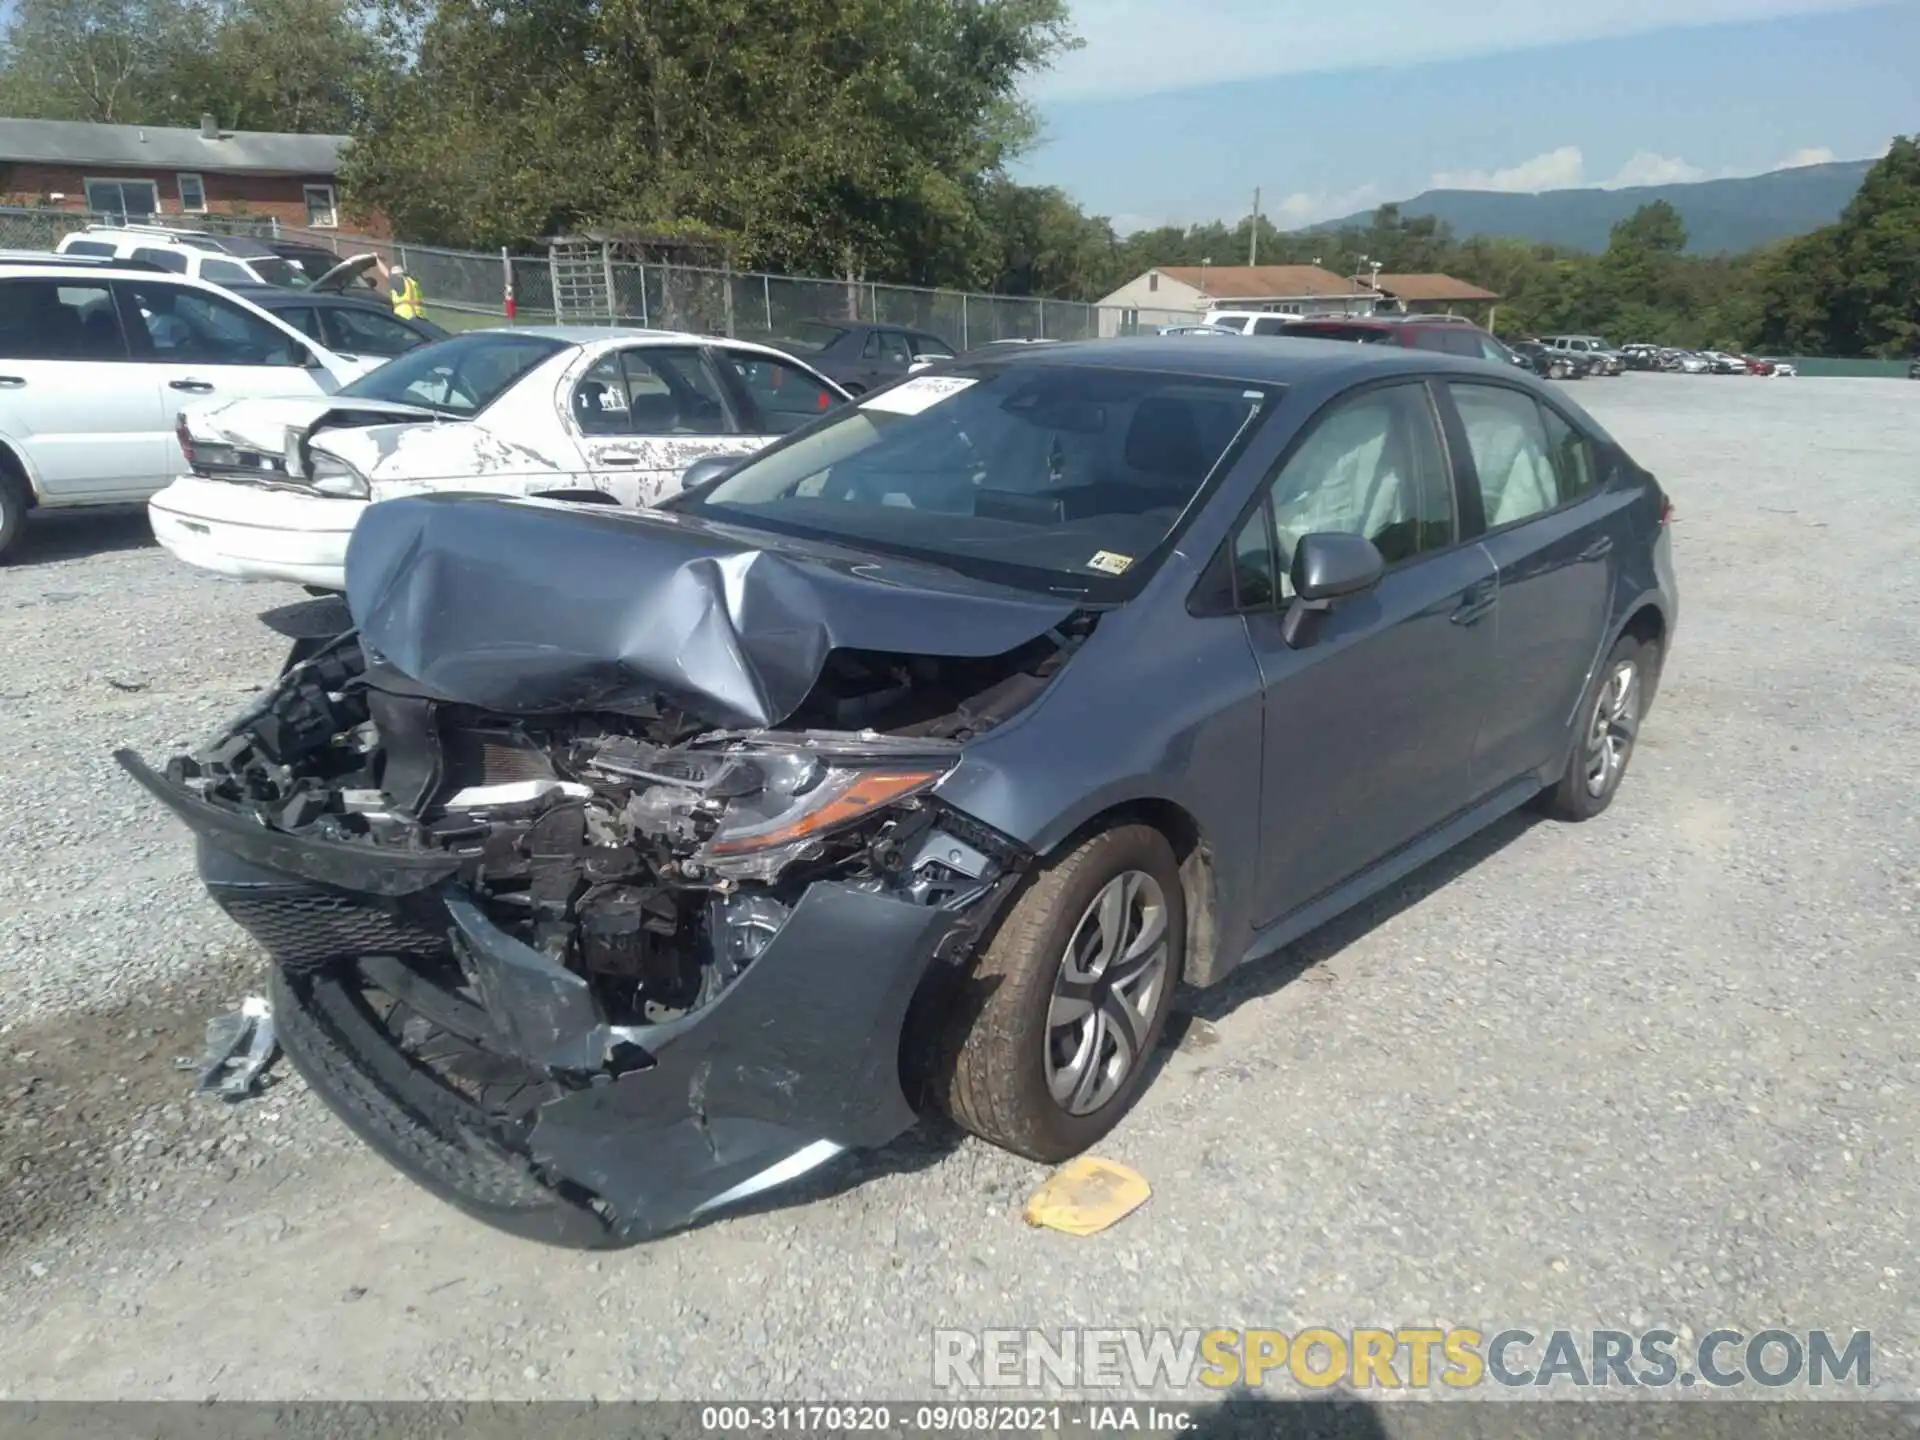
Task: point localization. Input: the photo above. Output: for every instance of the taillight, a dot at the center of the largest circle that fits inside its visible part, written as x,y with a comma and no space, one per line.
1666,510
185,437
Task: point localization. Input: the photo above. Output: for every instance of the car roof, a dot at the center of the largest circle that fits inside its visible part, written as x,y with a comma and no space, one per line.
35,260
1262,359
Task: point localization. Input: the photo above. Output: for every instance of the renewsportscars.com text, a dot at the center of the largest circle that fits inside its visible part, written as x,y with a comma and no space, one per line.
1403,1358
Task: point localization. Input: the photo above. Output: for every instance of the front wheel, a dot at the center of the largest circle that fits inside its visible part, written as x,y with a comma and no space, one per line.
1610,725
1055,1028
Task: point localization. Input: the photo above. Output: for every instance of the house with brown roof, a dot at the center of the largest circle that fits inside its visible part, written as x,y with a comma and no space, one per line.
1425,294
1183,294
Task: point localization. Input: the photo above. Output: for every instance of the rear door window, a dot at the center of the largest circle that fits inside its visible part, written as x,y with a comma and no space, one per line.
651,391
225,272
1269,325
87,247
169,260
59,319
784,397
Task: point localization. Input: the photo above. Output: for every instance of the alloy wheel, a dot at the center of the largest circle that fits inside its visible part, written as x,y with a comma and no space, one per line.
1111,983
1616,718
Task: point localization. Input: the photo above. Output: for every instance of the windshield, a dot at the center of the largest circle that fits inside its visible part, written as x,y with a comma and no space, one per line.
1057,478
811,335
459,376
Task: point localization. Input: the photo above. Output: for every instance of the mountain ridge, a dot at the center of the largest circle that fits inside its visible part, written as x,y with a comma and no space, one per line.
1722,216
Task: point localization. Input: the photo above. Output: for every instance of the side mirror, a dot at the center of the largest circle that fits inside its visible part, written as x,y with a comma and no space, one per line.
707,467
1327,567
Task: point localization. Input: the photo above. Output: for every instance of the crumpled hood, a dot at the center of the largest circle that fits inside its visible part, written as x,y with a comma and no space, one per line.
536,606
262,424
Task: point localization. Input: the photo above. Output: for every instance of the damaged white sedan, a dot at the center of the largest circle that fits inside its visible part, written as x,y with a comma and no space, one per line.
583,413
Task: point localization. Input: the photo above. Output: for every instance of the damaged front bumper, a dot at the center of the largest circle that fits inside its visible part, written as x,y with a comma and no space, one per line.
799,1059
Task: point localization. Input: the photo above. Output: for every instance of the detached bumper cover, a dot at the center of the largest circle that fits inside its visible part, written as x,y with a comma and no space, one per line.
798,1059
256,532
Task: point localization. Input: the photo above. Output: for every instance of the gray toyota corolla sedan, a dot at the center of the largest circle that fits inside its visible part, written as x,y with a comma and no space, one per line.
617,866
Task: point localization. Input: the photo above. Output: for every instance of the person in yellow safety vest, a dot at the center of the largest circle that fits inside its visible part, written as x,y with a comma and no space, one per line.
404,291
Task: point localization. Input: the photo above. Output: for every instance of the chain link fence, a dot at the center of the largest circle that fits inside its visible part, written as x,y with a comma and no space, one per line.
464,288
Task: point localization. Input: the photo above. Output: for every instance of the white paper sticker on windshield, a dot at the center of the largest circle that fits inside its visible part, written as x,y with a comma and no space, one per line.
917,394
1108,563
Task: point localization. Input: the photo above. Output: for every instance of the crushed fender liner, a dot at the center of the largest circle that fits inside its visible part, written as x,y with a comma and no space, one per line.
538,607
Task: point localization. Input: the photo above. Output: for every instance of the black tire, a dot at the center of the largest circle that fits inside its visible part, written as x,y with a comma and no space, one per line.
446,1142
992,1077
1575,796
15,497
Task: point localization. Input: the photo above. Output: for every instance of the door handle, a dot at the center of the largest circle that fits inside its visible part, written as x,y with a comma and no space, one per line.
1476,604
12,382
1599,549
619,459
196,387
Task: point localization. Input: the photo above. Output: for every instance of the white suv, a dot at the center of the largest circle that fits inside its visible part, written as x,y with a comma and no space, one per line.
97,360
219,259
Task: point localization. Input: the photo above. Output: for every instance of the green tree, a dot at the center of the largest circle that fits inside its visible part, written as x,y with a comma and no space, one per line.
831,136
301,65
1653,229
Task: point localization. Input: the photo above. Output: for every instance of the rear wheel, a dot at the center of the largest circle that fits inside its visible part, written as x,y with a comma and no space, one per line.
1056,1026
1610,725
448,1113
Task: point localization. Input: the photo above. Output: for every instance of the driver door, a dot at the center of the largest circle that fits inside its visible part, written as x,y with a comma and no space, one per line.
643,414
197,346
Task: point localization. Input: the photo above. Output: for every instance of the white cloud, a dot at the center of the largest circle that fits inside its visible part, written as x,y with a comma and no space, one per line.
1812,155
1560,169
1647,168
1139,47
1302,208
1566,169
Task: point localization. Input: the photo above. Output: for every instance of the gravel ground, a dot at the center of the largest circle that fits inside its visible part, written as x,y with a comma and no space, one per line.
1658,1069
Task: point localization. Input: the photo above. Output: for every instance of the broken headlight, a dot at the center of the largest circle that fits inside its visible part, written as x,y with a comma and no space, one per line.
332,476
802,798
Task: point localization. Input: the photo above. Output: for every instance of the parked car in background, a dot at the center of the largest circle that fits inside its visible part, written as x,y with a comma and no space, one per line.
1549,364
1249,322
858,355
986,349
345,323
226,260
1640,356
312,261
1416,332
97,358
625,864
275,488
1602,358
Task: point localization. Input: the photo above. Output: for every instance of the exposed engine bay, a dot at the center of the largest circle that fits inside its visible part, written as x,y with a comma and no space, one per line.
650,854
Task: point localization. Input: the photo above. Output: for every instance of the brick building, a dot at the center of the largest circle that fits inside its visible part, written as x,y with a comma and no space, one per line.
137,172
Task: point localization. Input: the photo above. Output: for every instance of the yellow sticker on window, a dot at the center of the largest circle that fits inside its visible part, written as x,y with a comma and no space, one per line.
1108,563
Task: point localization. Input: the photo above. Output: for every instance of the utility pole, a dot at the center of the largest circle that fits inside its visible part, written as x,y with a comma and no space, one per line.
1253,231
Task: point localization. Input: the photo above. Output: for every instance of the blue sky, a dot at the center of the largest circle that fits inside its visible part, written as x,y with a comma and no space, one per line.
1175,109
